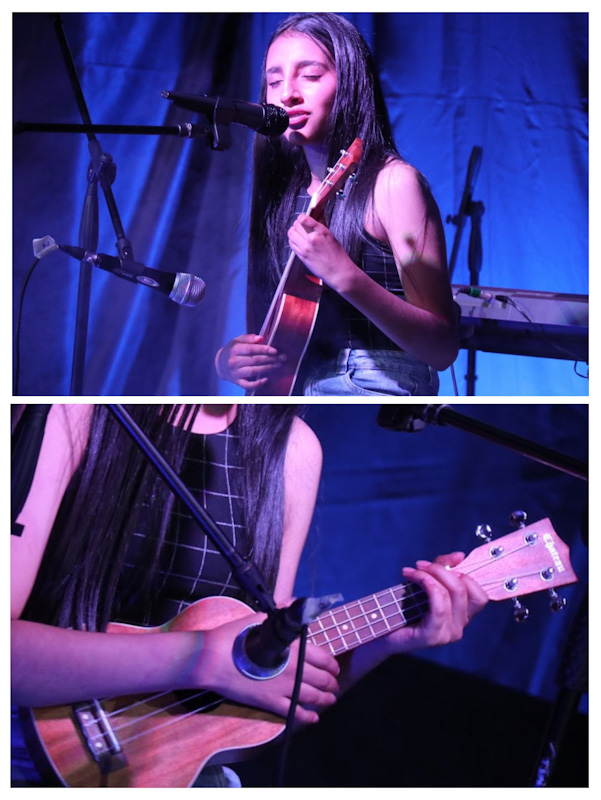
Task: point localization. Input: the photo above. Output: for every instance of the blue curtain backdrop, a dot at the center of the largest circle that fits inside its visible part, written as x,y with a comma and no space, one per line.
389,498
472,713
513,84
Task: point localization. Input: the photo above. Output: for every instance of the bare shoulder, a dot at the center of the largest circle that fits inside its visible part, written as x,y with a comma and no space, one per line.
68,430
65,438
401,198
405,213
302,476
73,417
398,180
304,444
303,463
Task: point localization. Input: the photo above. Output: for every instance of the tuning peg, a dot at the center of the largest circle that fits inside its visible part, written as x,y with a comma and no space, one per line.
484,532
556,603
520,612
518,519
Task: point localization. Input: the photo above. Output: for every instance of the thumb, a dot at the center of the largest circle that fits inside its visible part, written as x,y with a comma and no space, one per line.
308,223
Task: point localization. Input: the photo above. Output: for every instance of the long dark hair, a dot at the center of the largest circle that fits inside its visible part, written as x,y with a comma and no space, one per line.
281,172
116,487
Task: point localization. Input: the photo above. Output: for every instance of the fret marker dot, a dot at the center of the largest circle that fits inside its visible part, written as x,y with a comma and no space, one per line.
345,627
374,615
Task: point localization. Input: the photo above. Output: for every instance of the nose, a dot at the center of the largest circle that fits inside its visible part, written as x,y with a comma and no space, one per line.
290,94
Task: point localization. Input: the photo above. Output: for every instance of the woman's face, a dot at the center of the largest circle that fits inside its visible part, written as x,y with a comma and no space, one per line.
301,78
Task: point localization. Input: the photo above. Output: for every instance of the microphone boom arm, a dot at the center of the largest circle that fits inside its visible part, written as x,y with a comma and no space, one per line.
413,418
245,571
101,171
185,130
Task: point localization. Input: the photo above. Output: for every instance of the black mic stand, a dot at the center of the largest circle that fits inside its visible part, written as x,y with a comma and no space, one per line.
102,170
414,418
572,680
88,227
217,135
474,210
282,625
572,676
245,571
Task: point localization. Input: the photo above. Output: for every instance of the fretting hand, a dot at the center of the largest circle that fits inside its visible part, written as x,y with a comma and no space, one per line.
453,598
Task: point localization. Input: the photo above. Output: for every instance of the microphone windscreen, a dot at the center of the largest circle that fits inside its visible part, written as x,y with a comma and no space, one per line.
275,122
188,290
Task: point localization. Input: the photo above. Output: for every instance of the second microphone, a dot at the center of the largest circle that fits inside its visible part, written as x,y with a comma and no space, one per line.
182,288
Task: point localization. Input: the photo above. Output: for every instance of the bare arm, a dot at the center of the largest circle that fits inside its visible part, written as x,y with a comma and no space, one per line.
56,666
64,442
76,665
52,665
302,476
406,217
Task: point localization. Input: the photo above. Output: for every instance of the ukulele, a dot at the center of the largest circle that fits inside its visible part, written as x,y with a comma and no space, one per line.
291,317
164,740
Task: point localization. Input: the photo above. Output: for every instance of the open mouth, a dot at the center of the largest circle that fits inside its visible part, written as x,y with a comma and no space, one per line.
297,118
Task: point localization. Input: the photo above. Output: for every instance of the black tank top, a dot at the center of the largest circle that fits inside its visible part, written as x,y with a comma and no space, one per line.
339,324
190,566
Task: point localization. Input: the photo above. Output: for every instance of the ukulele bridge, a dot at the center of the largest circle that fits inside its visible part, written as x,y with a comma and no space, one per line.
99,737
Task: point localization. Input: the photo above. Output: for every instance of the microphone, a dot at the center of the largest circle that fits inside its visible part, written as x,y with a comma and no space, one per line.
182,288
474,291
261,117
408,418
262,651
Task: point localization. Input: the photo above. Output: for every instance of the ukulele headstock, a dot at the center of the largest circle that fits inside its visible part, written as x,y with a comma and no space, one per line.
337,176
532,558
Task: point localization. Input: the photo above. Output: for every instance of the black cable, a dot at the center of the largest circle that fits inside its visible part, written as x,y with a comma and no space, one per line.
289,729
507,300
16,346
504,298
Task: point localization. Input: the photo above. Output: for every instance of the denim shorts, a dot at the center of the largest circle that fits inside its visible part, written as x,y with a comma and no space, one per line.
372,372
218,776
